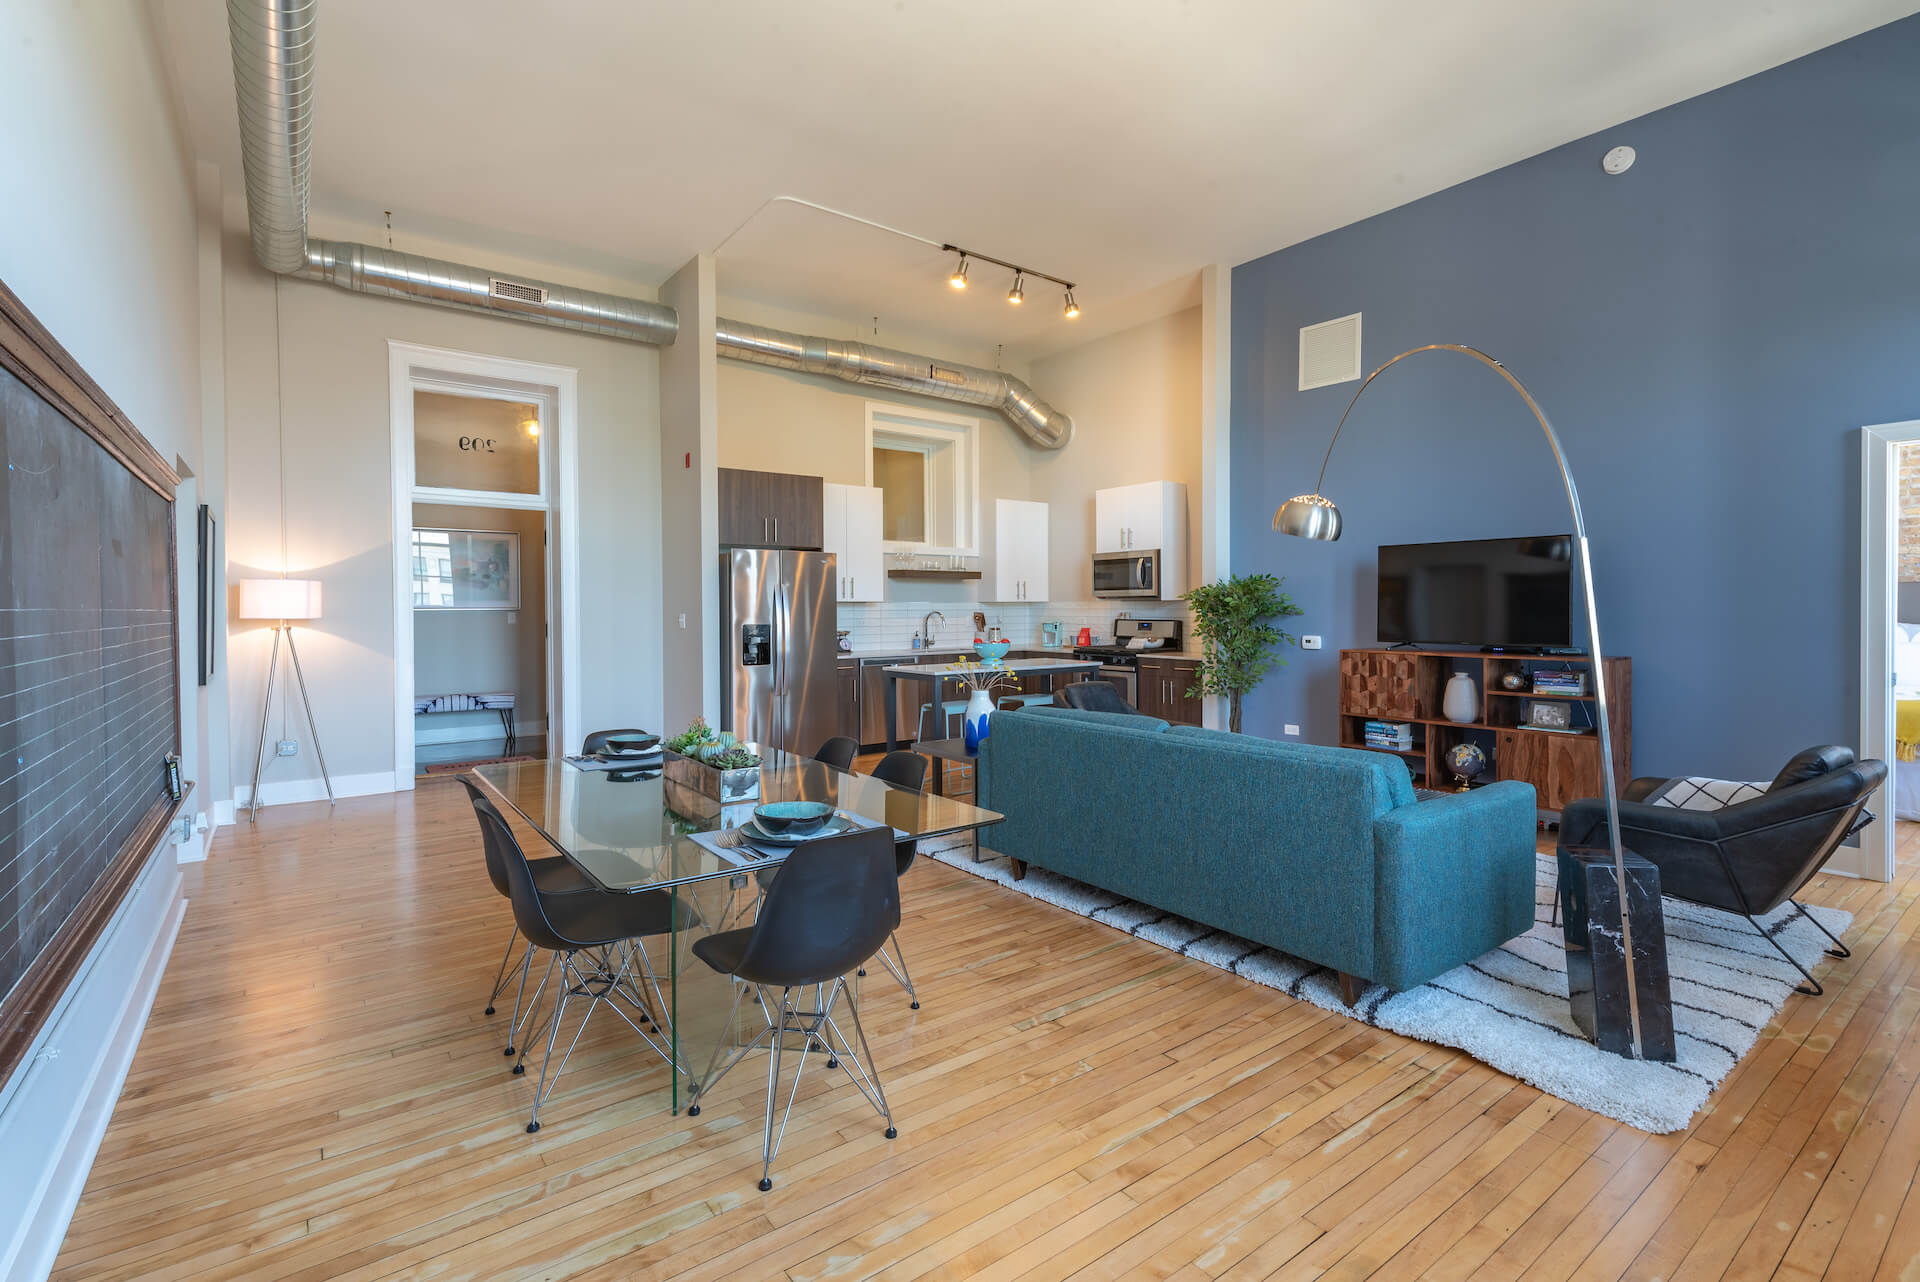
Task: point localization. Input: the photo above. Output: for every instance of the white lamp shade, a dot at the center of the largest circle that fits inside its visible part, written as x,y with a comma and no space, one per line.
279,598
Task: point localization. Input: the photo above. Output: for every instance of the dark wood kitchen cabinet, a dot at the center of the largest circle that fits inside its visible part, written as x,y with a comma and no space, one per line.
770,510
1164,683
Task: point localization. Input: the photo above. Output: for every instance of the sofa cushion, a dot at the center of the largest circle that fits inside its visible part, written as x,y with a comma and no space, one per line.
1393,785
1118,720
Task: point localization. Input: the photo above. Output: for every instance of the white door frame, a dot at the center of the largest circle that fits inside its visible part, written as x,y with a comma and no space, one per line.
1879,604
414,366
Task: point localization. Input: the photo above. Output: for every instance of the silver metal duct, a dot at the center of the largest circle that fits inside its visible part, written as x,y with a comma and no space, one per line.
874,366
273,80
365,269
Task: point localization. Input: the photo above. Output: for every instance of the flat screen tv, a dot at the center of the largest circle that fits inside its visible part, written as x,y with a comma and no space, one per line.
1510,594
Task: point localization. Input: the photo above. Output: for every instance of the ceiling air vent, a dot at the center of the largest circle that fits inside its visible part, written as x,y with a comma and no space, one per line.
1330,352
514,292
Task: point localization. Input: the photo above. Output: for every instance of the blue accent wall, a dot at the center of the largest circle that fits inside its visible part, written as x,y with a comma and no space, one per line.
1708,333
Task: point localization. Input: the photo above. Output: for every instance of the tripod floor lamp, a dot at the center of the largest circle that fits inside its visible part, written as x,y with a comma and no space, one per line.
1648,1031
284,601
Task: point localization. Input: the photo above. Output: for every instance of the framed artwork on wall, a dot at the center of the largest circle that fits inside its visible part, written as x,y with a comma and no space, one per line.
466,569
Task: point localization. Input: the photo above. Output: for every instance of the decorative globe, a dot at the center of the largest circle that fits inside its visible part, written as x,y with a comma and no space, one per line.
1466,760
1514,680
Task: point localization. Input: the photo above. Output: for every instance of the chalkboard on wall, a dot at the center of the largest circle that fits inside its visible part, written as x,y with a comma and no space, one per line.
89,664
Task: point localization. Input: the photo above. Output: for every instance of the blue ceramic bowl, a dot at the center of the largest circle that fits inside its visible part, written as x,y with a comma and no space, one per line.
992,651
792,817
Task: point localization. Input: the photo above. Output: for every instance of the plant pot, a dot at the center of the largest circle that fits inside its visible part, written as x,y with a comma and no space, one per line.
716,785
975,727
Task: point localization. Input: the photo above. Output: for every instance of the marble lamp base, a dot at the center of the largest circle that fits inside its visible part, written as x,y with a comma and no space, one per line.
1596,961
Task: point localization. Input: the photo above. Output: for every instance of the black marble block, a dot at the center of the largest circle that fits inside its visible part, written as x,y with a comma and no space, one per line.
1596,958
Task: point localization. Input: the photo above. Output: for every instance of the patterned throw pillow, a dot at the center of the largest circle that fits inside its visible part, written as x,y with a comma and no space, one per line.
1695,793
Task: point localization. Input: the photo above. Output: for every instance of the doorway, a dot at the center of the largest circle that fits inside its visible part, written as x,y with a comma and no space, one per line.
1889,640
479,636
486,563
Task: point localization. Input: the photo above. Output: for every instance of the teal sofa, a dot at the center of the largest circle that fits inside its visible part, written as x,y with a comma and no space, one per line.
1322,853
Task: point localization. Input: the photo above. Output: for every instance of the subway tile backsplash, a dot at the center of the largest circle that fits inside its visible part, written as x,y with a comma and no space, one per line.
889,623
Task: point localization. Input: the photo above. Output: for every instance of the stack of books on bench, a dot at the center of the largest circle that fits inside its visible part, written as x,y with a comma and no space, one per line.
1395,736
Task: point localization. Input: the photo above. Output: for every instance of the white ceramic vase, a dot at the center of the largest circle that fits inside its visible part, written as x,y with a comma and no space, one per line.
1462,700
975,728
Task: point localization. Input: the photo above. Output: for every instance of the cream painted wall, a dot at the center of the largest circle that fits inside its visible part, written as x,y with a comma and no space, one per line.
1134,397
329,368
1135,401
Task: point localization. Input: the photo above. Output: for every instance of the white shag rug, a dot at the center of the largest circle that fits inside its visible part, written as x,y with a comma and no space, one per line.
1508,1008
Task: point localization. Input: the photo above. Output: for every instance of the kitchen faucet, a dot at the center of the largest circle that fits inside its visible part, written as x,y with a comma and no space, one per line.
926,626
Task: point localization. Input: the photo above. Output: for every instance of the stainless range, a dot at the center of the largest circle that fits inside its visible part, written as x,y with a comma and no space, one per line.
1133,638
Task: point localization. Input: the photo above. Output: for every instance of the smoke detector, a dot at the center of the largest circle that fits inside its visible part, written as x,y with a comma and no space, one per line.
1618,161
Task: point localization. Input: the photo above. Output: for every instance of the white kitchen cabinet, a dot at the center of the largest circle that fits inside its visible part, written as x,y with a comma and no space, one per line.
1019,551
1151,516
853,534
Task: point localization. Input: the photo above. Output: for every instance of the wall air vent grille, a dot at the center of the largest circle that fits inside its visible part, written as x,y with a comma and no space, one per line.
514,292
1330,352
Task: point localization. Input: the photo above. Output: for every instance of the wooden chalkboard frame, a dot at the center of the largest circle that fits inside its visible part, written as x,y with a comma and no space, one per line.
32,355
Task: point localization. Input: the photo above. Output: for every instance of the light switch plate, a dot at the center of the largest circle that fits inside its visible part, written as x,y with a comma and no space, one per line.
1292,729
285,748
1309,643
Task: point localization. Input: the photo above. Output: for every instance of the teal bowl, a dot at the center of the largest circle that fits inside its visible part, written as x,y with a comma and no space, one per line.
792,818
992,651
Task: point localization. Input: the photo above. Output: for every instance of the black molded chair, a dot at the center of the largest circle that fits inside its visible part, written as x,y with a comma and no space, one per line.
838,752
593,938
555,876
1095,696
1750,857
597,741
833,905
902,770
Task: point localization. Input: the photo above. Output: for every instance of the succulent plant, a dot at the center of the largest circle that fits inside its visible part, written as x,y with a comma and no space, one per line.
687,741
717,745
735,758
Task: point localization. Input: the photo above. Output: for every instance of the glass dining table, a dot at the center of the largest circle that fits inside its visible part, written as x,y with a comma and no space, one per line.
633,830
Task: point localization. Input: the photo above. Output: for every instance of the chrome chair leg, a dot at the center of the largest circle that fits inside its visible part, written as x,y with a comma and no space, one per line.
519,995
527,1020
500,977
899,969
553,1032
767,1143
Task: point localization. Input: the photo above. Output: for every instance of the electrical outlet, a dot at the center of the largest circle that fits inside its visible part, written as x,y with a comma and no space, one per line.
286,748
1292,729
1309,643
683,620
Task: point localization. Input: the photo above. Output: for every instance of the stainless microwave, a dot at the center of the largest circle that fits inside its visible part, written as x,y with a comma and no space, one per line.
1127,573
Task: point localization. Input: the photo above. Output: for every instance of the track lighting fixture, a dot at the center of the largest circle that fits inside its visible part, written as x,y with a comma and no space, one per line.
1018,294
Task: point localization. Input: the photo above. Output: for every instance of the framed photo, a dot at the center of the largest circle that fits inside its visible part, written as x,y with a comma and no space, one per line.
1548,716
466,570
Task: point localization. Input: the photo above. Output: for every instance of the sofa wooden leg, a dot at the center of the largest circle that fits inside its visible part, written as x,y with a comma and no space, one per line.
1351,986
1019,869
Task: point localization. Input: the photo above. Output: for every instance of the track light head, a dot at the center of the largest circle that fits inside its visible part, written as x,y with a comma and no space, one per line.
1018,294
1072,308
959,278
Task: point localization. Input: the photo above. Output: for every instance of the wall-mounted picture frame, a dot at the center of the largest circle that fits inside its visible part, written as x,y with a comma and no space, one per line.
210,590
466,569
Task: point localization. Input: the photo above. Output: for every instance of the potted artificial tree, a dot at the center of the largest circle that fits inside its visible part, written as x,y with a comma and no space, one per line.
1234,621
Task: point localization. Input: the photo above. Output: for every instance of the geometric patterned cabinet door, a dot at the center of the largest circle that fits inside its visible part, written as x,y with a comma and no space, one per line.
1373,684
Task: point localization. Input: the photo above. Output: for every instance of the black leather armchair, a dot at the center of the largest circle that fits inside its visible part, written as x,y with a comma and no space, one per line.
1095,696
1750,857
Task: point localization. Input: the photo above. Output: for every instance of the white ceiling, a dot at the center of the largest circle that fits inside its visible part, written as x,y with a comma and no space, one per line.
1121,145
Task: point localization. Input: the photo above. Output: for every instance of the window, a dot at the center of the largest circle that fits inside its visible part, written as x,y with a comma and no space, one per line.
476,444
926,466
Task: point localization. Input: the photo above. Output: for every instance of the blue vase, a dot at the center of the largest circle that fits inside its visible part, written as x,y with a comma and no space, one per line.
975,728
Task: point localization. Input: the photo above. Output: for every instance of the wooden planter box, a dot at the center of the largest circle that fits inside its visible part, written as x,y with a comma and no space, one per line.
718,786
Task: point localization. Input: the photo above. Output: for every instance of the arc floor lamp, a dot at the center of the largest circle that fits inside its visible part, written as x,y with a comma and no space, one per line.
283,601
1314,516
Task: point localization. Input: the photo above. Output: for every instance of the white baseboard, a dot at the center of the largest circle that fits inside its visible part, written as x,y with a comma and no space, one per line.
55,1108
475,732
280,792
222,814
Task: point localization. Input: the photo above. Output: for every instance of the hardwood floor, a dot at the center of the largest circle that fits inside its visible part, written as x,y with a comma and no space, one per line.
319,1096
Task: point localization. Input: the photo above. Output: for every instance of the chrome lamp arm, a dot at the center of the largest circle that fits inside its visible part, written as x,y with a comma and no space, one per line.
1314,516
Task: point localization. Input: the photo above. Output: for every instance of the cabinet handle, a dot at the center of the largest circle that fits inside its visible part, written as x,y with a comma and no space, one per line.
776,529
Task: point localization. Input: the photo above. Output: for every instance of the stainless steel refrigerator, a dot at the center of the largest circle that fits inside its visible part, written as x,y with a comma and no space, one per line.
777,623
